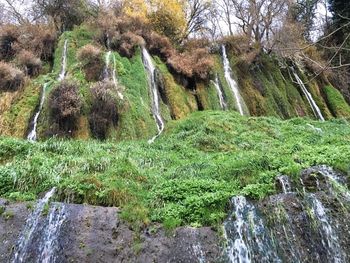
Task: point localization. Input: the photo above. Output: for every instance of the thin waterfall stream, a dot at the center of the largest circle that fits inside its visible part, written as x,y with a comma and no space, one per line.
150,68
231,82
220,93
316,110
111,75
30,228
330,239
248,238
32,135
64,61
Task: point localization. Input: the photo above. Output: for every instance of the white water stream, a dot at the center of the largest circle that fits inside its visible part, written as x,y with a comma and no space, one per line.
231,82
150,68
32,136
219,91
309,98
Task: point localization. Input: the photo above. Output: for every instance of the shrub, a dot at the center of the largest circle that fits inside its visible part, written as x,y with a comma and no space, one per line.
127,43
8,36
31,64
91,58
65,106
193,64
39,39
159,45
11,79
104,111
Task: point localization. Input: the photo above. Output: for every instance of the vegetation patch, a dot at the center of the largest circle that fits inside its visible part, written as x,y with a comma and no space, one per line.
187,176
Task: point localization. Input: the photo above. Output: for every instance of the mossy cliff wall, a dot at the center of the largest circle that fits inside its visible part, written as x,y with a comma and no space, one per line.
267,86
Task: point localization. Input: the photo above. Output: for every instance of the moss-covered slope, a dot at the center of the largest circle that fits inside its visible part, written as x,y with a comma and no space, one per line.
267,87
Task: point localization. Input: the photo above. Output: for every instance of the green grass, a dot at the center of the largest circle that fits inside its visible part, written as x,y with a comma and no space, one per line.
184,178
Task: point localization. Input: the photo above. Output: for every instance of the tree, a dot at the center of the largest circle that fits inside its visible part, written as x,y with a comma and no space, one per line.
169,18
135,8
64,13
304,11
197,15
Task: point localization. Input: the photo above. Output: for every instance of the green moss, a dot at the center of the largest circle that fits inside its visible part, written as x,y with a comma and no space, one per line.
22,109
336,102
181,101
136,120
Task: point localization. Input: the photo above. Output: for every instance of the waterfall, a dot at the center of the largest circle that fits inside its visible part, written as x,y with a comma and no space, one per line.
107,72
231,82
107,61
285,183
26,237
64,61
330,240
150,68
219,91
248,239
316,110
49,244
32,136
115,81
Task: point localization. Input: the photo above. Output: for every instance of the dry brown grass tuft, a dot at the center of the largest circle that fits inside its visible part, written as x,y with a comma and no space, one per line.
11,79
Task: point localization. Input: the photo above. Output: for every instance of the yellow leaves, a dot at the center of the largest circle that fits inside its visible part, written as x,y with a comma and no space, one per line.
168,17
136,8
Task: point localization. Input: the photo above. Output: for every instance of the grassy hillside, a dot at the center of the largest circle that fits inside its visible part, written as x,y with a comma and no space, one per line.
185,177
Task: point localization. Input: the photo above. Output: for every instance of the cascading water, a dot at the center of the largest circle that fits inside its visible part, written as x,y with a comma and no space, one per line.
231,82
115,81
309,98
248,239
330,240
49,243
64,61
31,226
106,74
148,63
220,93
32,136
285,183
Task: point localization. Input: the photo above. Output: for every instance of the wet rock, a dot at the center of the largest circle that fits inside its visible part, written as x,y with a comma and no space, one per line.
96,234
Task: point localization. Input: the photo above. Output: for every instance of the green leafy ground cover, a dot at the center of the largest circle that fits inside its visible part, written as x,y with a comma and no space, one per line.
185,177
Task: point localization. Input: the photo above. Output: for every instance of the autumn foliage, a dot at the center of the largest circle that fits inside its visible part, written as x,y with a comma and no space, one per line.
90,57
11,78
104,110
65,105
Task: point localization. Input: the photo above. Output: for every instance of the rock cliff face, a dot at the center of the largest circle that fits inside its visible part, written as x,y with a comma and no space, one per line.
96,234
307,222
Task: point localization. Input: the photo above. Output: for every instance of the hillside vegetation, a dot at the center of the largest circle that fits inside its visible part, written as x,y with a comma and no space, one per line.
185,177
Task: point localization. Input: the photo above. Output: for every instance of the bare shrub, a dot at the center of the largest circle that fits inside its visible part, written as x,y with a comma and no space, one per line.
104,111
159,45
65,105
196,63
8,36
91,58
31,64
39,39
127,43
11,79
